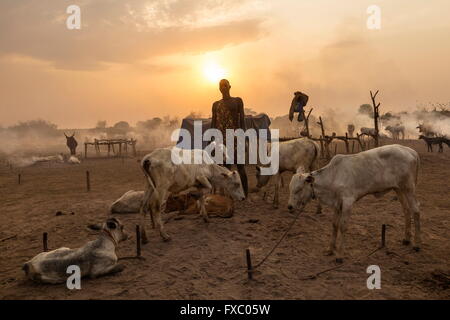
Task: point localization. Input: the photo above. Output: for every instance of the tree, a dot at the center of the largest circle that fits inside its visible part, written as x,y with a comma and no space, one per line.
101,124
366,109
122,126
35,127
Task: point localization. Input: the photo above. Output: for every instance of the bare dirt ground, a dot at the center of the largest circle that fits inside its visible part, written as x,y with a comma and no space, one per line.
206,261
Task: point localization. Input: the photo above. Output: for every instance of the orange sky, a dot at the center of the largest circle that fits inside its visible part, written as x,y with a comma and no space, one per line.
133,60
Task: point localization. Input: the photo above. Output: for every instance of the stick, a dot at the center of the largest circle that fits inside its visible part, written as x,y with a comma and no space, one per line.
7,238
138,241
44,241
249,265
383,236
88,181
19,178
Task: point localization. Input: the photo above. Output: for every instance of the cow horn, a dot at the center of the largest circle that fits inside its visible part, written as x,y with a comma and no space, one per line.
65,135
73,134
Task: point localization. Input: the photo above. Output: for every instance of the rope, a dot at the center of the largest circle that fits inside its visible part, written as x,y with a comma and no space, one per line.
278,243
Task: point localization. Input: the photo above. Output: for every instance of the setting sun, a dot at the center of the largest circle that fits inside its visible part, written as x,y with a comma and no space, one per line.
213,72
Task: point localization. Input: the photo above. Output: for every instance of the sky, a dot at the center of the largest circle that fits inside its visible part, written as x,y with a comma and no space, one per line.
138,59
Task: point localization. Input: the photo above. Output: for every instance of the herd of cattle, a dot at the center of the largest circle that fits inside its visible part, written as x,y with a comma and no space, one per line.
338,185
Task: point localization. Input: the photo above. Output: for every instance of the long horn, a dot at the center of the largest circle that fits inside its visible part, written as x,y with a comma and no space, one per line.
73,134
65,135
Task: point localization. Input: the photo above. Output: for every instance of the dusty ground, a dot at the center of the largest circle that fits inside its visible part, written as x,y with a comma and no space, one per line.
206,261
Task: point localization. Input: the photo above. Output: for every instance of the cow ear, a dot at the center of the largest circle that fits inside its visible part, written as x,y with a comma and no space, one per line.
309,179
111,224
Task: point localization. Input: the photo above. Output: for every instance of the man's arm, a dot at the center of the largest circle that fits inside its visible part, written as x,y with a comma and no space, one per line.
291,110
214,116
242,115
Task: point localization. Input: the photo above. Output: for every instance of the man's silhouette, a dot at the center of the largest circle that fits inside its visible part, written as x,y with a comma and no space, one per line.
298,102
228,113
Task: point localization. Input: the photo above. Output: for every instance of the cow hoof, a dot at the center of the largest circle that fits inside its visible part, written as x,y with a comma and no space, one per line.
339,260
416,249
406,242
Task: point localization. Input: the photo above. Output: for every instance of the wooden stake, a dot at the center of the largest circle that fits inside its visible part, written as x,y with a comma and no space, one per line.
383,236
249,265
19,178
138,241
88,181
45,241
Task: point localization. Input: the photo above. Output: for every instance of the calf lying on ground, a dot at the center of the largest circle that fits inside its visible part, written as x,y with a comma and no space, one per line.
163,177
348,178
184,203
94,259
294,156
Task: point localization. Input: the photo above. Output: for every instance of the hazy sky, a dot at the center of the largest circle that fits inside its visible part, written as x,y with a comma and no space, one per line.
138,59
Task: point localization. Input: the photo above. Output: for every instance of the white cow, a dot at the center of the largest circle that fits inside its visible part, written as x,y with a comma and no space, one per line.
348,178
129,202
297,156
163,177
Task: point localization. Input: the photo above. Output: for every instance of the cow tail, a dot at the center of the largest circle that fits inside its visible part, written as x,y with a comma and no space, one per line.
146,168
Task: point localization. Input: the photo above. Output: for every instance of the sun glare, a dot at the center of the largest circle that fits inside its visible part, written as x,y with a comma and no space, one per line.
213,72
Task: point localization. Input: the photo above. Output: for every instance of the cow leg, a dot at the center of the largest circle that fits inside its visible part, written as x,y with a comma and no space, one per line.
276,199
414,207
204,188
334,231
406,210
156,212
201,205
345,215
143,212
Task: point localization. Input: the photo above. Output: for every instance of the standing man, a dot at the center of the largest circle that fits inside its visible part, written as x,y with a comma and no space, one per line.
228,113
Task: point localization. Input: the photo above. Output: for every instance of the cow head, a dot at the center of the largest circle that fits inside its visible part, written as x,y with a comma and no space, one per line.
71,143
231,182
300,191
261,180
115,229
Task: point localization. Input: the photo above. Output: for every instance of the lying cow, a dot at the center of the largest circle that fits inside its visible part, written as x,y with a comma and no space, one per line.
129,202
298,155
94,259
184,203
348,178
163,177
